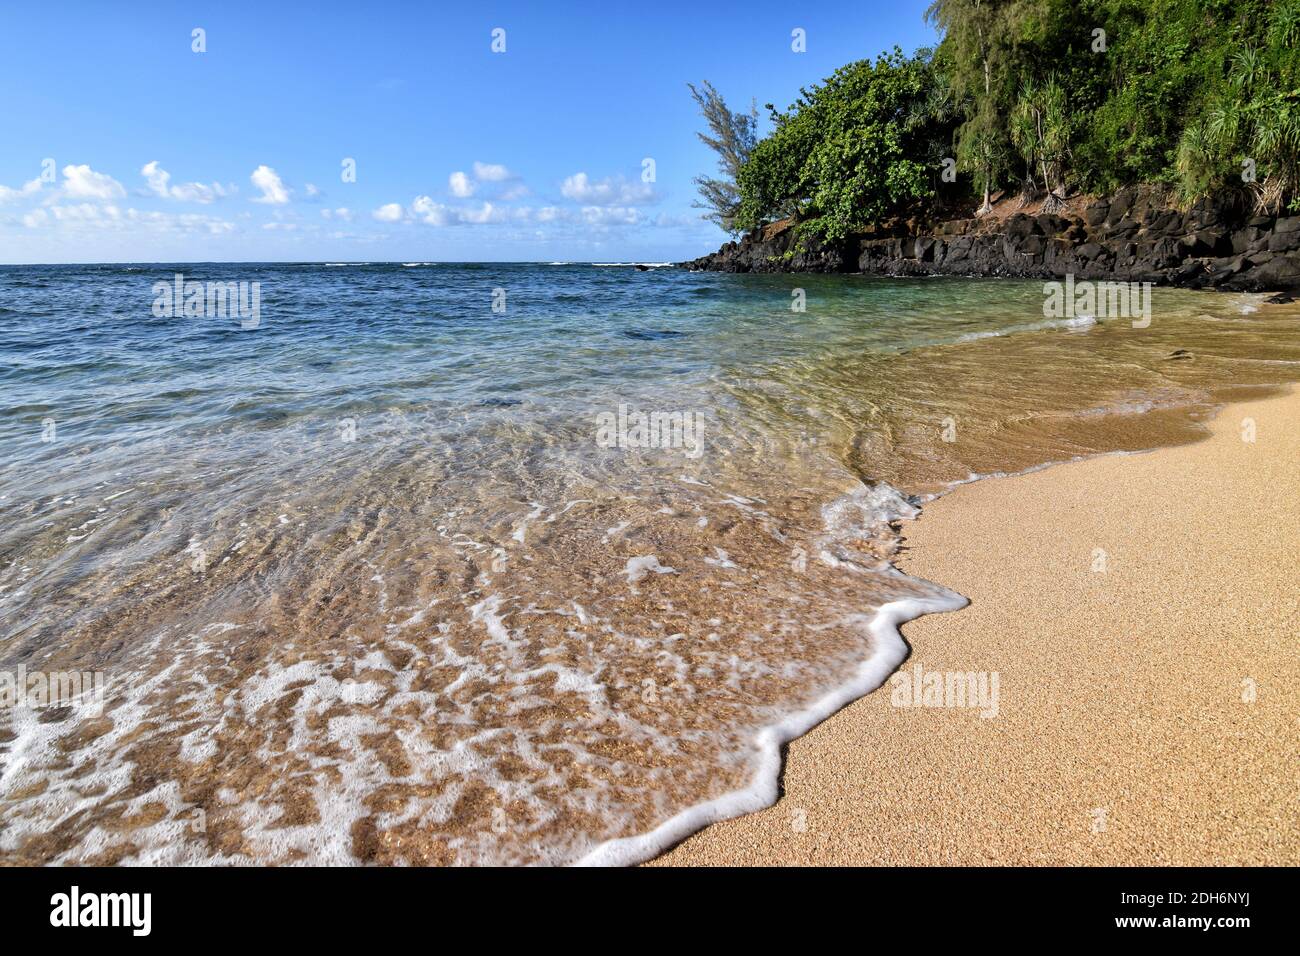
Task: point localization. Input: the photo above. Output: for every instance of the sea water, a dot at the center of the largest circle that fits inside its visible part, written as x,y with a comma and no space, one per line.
503,563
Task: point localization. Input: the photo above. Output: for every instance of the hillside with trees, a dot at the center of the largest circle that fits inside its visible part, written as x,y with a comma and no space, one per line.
1037,99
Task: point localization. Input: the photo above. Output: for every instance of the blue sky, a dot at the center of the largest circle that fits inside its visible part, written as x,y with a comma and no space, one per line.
159,153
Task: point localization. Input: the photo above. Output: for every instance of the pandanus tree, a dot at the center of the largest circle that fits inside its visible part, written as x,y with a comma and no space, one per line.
1040,130
1252,125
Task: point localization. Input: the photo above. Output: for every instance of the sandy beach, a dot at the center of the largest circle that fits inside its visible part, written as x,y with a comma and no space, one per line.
1140,613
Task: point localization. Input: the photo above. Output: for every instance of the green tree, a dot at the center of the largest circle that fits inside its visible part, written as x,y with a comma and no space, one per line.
1250,126
1040,129
976,39
1093,94
733,137
848,152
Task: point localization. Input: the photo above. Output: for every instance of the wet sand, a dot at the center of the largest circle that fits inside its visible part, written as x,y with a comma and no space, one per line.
1141,613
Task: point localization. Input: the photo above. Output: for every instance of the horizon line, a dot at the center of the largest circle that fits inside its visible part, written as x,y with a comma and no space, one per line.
352,262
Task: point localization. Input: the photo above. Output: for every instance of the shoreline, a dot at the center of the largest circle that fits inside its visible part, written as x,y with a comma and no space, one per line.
1137,234
891,650
1091,758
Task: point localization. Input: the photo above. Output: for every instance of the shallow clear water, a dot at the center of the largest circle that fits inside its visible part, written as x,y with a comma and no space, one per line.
369,582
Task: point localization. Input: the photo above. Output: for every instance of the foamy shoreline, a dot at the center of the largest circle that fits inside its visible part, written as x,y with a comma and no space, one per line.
467,627
764,790
1148,695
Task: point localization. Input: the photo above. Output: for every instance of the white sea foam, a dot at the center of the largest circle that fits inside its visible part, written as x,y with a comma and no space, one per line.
889,651
1075,323
631,265
864,511
522,528
637,568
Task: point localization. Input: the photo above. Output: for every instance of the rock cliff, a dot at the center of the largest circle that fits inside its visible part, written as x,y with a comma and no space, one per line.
1134,235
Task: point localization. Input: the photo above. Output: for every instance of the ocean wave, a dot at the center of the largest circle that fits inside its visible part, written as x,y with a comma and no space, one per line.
631,265
865,511
1077,323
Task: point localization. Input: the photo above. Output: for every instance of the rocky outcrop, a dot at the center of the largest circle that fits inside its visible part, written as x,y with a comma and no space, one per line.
1133,235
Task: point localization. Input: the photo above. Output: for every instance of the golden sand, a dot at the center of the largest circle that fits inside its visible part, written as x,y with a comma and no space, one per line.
1142,614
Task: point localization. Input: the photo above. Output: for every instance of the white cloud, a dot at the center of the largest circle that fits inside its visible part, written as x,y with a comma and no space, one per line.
82,182
460,184
490,172
83,212
610,215
434,213
268,180
159,181
463,185
29,188
606,192
485,213
312,190
197,192
342,212
76,218
188,222
157,178
427,210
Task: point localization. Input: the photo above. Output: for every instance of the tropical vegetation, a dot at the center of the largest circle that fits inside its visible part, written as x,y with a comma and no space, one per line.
1040,98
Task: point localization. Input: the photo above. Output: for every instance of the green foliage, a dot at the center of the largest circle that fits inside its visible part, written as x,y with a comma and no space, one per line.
1180,92
1251,116
847,152
732,136
1040,130
979,40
